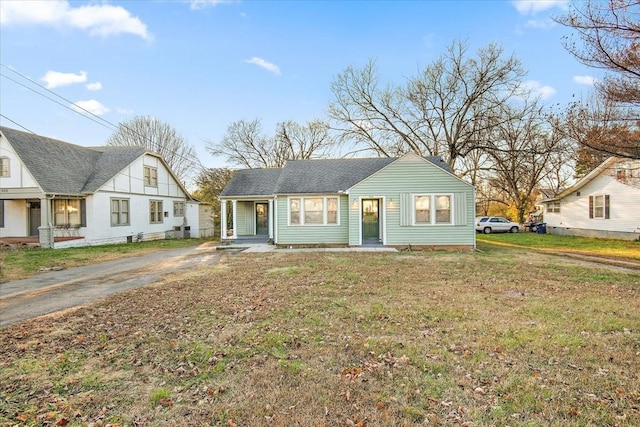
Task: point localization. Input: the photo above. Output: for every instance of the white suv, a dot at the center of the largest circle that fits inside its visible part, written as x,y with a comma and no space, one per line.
496,224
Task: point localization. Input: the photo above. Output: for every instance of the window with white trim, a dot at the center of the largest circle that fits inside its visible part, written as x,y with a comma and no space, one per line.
599,206
150,176
119,212
4,167
313,210
433,209
155,211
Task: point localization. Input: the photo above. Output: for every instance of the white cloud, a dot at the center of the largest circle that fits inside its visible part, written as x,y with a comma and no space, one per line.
92,106
264,64
55,79
94,86
531,7
540,24
538,89
99,20
201,4
584,80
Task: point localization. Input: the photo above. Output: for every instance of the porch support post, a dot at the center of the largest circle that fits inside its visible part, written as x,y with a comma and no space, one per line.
271,219
234,208
45,231
223,219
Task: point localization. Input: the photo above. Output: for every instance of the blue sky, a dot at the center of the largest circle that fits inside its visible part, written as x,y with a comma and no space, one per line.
200,65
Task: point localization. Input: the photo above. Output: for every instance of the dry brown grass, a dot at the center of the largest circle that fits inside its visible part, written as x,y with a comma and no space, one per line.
326,339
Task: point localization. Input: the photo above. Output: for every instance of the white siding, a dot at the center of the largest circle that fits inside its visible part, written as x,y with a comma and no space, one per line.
624,206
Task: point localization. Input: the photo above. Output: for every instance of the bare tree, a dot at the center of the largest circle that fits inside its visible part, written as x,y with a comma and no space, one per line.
604,125
607,36
445,110
159,137
609,39
245,145
526,150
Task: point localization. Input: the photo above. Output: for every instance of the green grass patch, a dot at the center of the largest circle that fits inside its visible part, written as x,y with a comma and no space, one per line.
571,244
21,263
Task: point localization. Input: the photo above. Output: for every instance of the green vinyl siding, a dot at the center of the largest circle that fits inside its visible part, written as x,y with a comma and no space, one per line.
241,218
311,234
397,184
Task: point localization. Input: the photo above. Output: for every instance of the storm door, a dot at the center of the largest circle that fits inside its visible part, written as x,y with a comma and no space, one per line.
262,218
370,221
34,218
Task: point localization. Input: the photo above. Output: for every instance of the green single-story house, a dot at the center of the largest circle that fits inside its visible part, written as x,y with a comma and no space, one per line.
396,202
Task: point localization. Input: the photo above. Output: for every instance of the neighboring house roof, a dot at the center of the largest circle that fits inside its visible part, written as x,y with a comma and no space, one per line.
310,176
585,179
68,169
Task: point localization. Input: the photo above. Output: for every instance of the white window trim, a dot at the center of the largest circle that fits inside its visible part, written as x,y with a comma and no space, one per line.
432,210
603,206
325,213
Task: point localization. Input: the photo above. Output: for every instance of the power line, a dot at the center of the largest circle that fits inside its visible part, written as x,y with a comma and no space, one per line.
17,124
89,115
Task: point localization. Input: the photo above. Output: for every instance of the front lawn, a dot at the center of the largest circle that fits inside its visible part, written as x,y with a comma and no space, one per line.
567,244
497,338
24,262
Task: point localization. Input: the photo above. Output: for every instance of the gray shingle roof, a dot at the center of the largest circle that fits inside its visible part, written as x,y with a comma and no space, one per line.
327,175
316,176
63,168
252,182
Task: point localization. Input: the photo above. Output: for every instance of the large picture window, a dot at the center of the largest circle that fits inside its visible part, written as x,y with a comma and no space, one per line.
150,176
313,211
432,209
155,211
119,212
66,213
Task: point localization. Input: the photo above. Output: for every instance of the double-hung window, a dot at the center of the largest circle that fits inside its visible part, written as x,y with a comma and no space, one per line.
155,211
432,209
599,206
4,166
150,176
178,209
119,212
553,207
313,210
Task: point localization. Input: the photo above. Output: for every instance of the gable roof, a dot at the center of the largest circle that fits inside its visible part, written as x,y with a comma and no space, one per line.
63,168
315,176
585,179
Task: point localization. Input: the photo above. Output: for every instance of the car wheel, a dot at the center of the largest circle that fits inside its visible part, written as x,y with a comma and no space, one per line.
514,229
487,230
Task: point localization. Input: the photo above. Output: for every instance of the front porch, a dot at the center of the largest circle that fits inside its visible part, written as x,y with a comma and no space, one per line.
247,219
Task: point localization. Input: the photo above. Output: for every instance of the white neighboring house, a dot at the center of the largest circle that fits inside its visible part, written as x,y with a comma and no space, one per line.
605,203
69,195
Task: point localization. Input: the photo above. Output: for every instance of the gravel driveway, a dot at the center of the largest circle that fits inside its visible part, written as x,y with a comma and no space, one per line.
59,290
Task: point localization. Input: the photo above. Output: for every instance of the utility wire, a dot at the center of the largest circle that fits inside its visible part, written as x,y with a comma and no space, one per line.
89,115
17,124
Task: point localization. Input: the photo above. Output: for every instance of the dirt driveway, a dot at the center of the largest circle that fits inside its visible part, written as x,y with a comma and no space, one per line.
59,290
